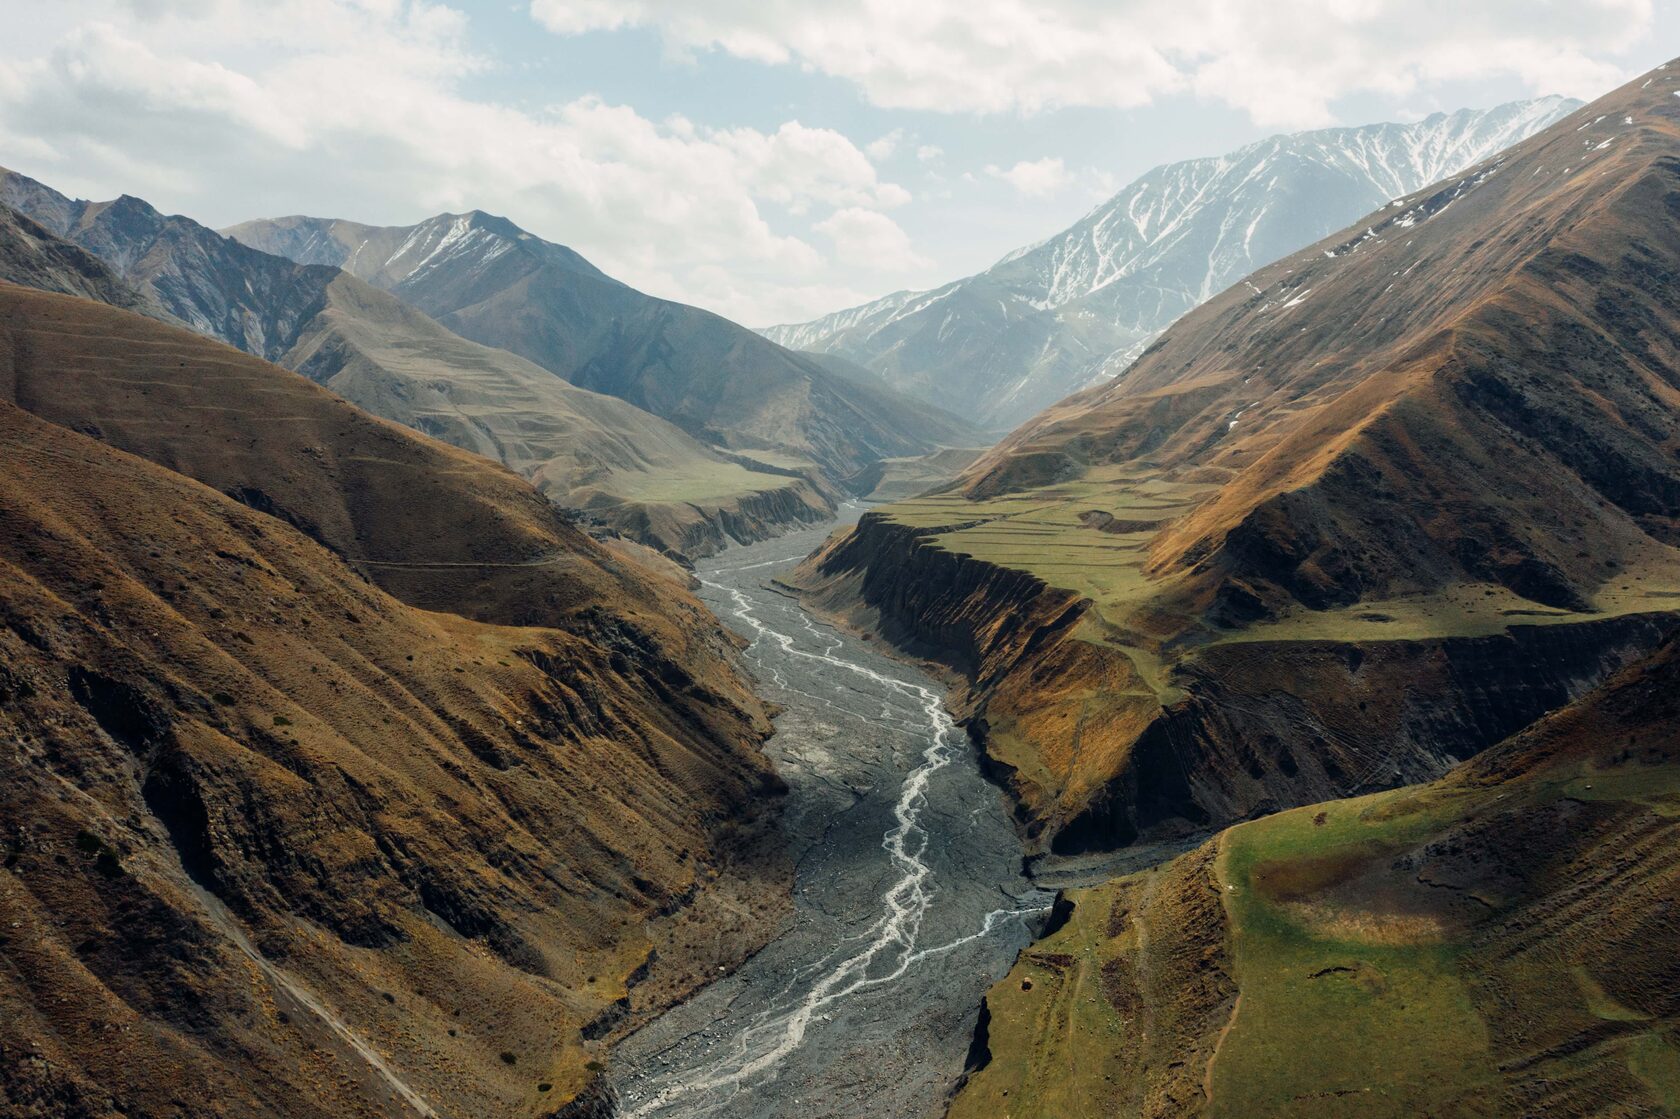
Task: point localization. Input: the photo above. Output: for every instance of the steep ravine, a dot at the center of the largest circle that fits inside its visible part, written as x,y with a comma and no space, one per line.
1249,728
908,898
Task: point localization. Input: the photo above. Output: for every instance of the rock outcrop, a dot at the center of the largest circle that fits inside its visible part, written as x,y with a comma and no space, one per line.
1095,758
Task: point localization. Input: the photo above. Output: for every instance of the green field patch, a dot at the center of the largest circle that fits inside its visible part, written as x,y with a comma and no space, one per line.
1599,1001
1654,787
1052,532
1470,610
1338,1017
1656,1062
1331,998
701,484
1362,999
1052,535
1063,1039
782,460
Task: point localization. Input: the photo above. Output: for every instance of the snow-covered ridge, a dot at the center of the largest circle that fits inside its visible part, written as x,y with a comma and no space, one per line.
1148,220
1049,318
809,336
445,240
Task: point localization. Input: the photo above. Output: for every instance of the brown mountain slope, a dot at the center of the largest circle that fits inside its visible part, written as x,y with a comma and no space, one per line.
1500,345
1434,456
1500,942
303,797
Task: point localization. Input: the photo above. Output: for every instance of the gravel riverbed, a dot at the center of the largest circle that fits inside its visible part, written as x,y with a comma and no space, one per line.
909,900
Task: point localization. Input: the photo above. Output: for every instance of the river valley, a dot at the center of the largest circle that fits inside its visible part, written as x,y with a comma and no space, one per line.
908,903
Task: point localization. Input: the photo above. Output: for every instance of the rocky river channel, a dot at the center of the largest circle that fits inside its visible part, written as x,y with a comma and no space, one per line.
909,899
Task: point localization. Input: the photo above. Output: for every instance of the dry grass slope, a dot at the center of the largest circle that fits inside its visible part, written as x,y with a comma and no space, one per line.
609,462
594,454
305,722
721,383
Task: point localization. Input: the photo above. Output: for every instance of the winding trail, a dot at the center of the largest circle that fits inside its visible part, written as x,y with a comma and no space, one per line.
1220,884
286,985
887,955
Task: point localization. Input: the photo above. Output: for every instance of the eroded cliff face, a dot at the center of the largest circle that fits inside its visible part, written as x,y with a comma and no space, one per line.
694,529
1099,750
1147,953
973,616
1264,726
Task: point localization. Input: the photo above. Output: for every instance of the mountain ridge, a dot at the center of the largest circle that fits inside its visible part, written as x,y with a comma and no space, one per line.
32,255
1081,304
253,301
490,281
306,719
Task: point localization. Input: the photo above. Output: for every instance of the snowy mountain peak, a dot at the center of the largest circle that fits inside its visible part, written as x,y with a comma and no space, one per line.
454,246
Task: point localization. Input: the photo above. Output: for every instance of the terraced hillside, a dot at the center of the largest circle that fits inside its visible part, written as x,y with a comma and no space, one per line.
305,718
1376,508
911,476
1498,942
608,460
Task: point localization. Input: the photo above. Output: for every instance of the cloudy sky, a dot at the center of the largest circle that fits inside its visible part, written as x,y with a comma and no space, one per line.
769,159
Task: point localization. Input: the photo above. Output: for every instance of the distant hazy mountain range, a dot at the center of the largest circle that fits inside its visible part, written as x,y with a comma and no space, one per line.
488,280
1054,317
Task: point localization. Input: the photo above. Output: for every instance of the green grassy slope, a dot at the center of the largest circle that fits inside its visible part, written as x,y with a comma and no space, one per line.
1499,942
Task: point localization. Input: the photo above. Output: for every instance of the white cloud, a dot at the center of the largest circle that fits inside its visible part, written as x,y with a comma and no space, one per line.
228,109
1101,184
796,166
1284,62
1043,178
387,111
716,285
869,239
883,147
1035,178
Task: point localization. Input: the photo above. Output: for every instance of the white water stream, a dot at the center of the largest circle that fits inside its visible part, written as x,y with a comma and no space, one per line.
856,969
